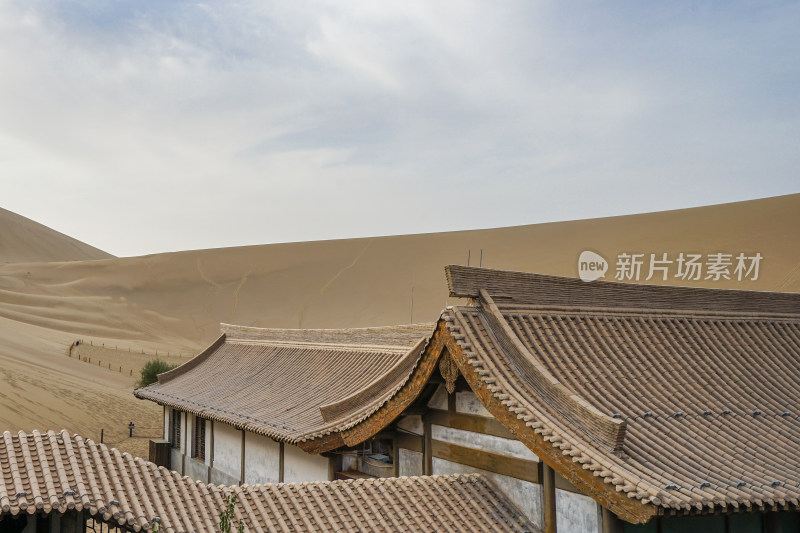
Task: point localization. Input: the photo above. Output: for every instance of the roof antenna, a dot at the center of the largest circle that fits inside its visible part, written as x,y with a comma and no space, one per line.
412,299
481,263
469,253
412,305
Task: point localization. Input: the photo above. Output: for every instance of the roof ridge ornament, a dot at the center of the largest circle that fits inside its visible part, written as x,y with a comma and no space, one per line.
449,371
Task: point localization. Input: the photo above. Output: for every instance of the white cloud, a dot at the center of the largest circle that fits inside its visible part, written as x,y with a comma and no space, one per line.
191,125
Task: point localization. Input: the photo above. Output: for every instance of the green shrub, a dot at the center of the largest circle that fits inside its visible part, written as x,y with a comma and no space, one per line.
151,370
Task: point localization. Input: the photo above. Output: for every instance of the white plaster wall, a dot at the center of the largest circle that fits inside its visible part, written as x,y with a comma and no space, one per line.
467,402
184,430
576,513
167,414
410,463
439,399
262,459
300,466
510,447
525,495
412,424
228,449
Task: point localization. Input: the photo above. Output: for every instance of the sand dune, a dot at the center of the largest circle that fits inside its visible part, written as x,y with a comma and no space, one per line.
26,240
175,301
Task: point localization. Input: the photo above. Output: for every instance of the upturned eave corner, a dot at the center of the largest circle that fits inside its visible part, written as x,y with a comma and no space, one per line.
626,508
391,409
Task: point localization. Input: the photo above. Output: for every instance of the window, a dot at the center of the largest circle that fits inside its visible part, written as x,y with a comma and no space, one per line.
175,429
199,439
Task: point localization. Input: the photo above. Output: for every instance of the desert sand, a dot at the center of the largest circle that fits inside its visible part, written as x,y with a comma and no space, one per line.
174,302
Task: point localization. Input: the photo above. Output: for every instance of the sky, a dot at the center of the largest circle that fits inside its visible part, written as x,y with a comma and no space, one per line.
143,126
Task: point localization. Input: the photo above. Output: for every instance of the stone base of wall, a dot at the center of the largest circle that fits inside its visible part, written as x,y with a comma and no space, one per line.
215,477
196,469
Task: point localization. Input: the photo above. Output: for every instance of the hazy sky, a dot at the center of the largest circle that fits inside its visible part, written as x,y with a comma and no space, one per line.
144,126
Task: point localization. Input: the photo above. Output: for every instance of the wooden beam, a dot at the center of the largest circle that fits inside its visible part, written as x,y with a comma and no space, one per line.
474,457
549,497
477,424
485,460
410,442
451,403
563,484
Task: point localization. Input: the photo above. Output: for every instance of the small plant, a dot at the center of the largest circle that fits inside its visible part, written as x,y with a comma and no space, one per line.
226,517
151,370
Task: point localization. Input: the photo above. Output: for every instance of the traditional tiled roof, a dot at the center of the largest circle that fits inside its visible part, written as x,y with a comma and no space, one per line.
293,385
651,399
56,472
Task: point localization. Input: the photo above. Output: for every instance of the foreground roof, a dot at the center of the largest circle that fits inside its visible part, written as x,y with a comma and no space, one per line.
650,399
293,385
56,472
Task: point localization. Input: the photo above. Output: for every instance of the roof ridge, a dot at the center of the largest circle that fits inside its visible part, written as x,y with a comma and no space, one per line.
403,336
324,345
545,289
698,313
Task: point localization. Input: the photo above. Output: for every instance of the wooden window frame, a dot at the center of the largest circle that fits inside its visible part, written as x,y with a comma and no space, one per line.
199,438
175,429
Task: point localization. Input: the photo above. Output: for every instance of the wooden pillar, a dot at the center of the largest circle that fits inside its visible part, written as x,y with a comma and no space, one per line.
611,522
549,493
185,442
241,481
211,459
427,446
334,464
280,464
395,455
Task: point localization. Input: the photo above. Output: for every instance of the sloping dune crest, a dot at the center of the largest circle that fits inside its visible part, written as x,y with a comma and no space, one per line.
175,301
23,240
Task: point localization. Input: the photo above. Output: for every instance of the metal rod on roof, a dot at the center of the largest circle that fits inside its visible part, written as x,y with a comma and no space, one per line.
469,252
412,305
481,263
